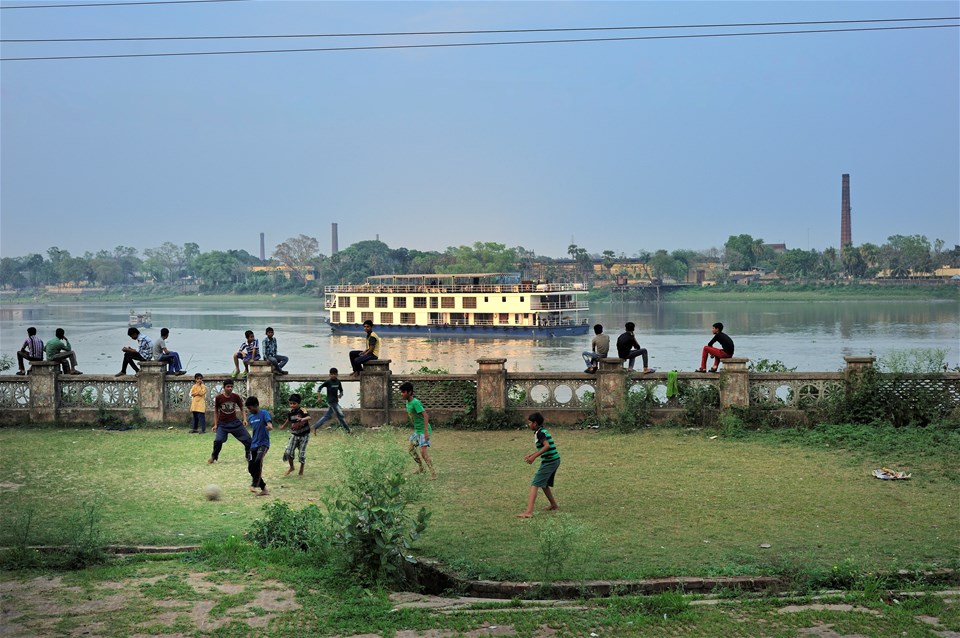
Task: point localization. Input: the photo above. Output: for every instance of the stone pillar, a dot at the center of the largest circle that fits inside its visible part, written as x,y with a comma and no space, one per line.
735,383
260,383
44,393
857,365
375,393
611,387
491,385
150,386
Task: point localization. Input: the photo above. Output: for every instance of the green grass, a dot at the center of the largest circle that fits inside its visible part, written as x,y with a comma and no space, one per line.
660,502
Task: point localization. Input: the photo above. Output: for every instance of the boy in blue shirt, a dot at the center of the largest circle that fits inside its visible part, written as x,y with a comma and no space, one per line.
261,423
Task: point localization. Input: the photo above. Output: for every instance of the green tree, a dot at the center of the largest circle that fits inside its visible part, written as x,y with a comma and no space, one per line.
740,252
217,268
298,254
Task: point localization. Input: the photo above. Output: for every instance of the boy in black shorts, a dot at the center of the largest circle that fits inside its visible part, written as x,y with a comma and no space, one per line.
299,421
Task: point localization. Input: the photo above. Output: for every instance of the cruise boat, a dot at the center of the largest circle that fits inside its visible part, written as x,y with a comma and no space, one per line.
472,305
140,319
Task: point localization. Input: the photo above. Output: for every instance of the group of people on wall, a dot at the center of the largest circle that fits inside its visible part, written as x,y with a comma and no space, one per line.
628,349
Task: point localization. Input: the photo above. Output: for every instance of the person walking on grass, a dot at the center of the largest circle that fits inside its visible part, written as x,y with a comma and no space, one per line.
198,404
229,419
31,350
549,463
725,351
334,394
143,352
261,423
299,421
420,439
248,351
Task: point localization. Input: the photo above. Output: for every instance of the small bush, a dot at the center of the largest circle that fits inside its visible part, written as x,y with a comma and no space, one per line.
559,538
84,537
283,527
20,555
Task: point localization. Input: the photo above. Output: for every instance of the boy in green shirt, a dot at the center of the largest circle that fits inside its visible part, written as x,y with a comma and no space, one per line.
549,462
420,439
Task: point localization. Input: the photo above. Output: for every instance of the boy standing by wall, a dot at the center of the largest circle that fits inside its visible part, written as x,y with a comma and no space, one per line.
261,423
299,421
229,419
420,439
198,404
549,463
334,394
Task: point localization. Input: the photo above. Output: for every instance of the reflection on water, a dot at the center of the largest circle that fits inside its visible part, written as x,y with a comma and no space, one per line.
806,335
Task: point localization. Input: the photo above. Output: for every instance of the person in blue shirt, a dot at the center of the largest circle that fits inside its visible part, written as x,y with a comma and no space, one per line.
261,423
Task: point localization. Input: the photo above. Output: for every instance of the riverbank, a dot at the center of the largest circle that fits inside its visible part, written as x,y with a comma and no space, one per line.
792,292
781,292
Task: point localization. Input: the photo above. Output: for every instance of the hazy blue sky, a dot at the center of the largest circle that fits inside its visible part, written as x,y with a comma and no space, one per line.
625,146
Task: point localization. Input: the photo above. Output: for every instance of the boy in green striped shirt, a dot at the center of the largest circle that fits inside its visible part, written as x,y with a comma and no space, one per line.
549,462
420,439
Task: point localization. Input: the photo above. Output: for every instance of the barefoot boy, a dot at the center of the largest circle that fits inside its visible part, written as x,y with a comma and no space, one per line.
549,462
299,421
261,423
420,439
334,393
228,418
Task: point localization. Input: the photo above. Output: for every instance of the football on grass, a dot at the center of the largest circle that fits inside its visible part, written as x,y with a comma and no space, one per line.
212,492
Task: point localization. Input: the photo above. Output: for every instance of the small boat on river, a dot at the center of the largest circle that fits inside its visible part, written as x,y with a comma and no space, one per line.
469,305
140,319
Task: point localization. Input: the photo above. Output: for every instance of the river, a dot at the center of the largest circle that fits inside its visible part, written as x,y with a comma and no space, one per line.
808,336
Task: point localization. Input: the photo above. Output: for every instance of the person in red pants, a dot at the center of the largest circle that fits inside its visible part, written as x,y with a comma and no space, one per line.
725,351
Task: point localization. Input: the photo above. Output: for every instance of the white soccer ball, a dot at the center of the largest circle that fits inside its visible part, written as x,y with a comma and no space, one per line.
212,492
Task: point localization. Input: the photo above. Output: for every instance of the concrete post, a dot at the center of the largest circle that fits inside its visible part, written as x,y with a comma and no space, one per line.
150,386
375,393
491,385
260,383
44,394
857,365
735,383
611,387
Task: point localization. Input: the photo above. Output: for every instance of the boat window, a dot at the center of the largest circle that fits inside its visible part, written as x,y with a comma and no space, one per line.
447,302
504,318
399,302
386,317
366,316
381,302
420,302
343,302
336,316
363,302
503,299
433,302
408,317
350,317
469,302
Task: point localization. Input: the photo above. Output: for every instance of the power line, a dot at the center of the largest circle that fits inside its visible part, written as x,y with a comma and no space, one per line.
113,4
478,32
475,44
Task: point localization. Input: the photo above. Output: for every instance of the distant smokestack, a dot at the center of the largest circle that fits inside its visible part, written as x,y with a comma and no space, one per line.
334,245
845,234
262,254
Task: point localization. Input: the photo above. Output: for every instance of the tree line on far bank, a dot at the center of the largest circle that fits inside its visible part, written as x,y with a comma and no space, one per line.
296,265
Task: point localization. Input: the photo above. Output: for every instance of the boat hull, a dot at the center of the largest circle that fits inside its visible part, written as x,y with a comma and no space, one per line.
524,332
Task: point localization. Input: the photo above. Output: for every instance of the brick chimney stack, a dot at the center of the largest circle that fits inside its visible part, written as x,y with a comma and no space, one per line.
845,234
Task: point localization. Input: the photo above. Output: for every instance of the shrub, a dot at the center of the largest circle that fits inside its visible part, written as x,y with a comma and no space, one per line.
20,555
283,527
560,537
367,518
84,537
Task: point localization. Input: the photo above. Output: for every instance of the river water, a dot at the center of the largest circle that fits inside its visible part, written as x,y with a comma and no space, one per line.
810,336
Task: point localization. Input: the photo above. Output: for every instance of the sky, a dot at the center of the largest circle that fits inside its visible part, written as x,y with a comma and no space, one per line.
626,146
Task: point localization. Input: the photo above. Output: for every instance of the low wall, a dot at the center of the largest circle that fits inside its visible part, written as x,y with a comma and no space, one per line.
46,396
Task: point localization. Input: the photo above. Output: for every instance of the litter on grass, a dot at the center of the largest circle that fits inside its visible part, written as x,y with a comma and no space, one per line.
890,475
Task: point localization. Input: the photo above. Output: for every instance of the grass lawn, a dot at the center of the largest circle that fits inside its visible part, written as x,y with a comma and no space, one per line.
659,502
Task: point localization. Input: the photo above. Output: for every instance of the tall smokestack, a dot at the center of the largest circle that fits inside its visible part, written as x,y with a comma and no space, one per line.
263,255
334,247
845,234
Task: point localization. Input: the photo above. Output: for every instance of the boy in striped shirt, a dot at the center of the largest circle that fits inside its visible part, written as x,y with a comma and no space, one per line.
549,462
248,351
31,350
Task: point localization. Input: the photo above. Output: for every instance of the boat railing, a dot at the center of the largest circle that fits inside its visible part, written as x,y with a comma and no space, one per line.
559,305
454,289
